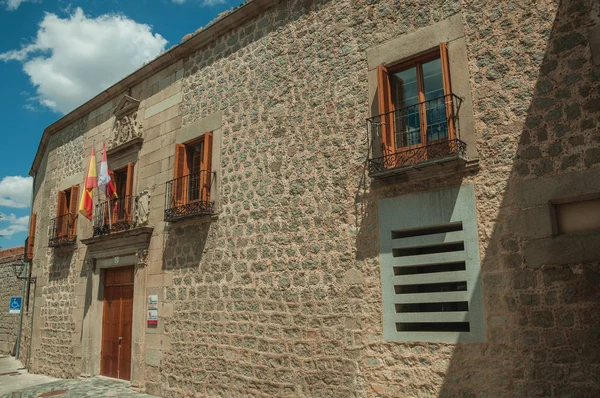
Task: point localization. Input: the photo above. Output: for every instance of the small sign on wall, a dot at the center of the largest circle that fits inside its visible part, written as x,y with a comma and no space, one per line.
152,317
15,304
152,313
153,302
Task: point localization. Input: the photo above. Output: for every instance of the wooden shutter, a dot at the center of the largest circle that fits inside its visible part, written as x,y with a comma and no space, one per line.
180,170
384,102
128,200
61,206
73,203
206,167
105,208
129,183
447,89
31,237
61,210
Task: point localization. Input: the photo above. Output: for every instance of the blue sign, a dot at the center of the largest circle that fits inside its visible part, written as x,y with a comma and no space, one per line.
15,305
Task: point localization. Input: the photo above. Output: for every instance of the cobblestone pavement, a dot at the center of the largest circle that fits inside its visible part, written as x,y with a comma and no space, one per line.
14,377
92,387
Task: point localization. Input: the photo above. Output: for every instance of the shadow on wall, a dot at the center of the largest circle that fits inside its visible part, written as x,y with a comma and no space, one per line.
61,264
540,290
184,244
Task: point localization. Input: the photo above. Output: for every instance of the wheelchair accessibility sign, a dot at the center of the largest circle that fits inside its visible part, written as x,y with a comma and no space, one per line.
15,305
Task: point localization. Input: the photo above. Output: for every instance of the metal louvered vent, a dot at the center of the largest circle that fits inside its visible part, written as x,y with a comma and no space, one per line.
431,293
430,267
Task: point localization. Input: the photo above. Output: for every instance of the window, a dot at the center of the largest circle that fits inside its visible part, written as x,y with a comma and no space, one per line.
577,217
65,224
120,216
430,269
190,190
415,102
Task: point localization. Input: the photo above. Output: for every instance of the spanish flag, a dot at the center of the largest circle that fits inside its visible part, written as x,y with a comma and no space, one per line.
91,182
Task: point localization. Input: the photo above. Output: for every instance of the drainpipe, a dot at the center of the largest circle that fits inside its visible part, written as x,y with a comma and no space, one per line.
26,280
31,327
23,281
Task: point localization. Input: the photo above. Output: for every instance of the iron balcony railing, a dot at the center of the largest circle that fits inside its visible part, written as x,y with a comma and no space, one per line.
114,216
189,196
423,132
62,230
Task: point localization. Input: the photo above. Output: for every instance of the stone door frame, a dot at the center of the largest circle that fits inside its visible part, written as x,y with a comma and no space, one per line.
92,333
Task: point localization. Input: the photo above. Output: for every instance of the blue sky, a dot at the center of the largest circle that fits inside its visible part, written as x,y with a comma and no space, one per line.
56,54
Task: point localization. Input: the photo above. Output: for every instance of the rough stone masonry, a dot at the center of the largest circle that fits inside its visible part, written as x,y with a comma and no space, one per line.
11,287
279,293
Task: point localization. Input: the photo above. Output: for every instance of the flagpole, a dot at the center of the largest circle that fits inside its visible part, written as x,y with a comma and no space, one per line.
109,212
98,192
107,198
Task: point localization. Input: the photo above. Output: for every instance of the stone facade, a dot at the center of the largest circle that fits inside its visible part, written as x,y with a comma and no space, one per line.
279,293
11,286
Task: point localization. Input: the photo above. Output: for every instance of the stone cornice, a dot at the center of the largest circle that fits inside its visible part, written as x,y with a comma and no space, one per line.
241,15
119,243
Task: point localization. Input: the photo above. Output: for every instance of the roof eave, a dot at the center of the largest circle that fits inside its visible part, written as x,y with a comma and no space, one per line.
239,16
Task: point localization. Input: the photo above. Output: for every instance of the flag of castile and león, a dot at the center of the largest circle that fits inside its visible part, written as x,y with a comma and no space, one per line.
91,182
104,181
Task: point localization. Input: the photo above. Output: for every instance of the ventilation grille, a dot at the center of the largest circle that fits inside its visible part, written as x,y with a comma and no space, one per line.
430,279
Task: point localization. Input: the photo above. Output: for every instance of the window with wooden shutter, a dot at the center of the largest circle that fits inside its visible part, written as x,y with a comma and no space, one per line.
31,237
430,267
64,226
415,104
189,191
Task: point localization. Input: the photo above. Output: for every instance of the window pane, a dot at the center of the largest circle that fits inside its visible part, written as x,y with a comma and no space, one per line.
121,182
405,96
195,154
437,125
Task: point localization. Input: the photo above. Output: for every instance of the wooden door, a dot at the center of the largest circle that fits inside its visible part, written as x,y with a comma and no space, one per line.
117,323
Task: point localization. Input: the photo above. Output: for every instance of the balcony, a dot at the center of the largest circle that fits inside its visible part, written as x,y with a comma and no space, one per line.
62,230
189,196
416,137
115,216
120,227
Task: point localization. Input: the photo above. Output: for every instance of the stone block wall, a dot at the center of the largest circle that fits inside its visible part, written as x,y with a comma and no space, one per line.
63,289
281,296
279,293
10,286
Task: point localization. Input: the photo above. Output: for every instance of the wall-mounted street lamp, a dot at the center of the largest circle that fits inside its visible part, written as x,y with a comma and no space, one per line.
18,269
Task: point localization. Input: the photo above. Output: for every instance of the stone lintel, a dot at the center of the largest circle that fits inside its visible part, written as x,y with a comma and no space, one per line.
119,243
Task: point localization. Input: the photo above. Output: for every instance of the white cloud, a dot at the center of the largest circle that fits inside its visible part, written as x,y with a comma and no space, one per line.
73,59
15,191
12,5
15,224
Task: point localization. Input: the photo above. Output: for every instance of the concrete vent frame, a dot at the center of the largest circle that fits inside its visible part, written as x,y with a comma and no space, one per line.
431,267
